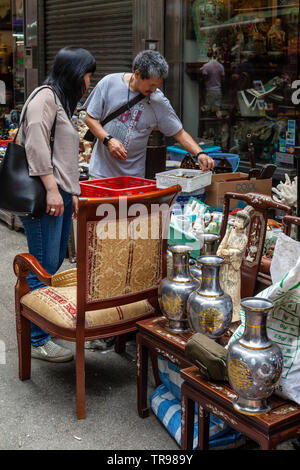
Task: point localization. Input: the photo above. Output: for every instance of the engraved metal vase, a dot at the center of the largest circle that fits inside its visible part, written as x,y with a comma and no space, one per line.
175,289
209,244
209,309
254,362
208,248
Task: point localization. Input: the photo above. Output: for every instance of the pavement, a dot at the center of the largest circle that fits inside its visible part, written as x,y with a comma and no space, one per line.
40,413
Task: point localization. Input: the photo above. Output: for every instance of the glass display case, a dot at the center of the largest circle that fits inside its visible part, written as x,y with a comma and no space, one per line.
239,80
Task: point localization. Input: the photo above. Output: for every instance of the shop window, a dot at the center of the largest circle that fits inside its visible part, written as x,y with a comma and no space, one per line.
241,67
6,82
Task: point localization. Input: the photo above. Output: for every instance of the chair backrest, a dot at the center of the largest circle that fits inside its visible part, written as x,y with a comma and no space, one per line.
121,248
256,234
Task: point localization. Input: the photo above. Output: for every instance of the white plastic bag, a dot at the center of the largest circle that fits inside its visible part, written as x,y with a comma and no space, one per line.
286,253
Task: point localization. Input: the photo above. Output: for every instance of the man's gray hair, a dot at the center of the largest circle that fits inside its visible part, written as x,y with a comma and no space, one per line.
150,64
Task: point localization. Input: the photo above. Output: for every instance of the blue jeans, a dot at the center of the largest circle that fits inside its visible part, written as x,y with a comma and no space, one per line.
47,240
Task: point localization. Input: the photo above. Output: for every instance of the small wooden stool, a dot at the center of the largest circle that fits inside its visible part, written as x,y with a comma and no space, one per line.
280,424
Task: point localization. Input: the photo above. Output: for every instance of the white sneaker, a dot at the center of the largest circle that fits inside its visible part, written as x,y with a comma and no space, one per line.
51,352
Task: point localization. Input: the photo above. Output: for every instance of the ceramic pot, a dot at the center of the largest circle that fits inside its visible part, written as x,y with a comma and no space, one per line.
175,289
209,309
254,362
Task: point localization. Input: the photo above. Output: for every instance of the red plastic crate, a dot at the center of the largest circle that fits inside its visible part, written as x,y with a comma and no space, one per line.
4,142
117,186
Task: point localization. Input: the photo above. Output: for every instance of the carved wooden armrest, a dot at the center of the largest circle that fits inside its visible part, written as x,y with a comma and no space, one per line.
290,219
24,263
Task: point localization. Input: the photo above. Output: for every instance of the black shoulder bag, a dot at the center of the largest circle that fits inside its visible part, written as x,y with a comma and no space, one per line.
89,136
20,193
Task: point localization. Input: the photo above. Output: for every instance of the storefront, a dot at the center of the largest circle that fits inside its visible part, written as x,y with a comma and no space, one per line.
18,70
236,68
255,43
104,28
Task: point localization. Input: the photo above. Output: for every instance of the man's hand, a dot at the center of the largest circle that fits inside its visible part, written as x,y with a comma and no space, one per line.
117,149
188,143
206,162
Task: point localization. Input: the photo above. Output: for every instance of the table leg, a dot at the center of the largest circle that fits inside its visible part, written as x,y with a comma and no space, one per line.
267,444
187,419
153,357
142,377
203,428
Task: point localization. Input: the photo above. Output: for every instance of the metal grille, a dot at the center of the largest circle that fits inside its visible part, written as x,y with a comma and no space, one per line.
104,27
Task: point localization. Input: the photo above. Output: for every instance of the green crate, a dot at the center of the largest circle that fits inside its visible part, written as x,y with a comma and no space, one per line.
177,236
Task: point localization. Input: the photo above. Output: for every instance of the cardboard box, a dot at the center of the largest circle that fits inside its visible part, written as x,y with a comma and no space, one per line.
220,185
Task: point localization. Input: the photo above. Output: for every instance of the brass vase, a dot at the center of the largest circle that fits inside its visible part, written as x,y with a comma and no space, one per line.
175,289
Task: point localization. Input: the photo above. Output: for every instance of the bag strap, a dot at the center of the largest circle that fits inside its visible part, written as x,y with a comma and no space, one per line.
122,109
52,134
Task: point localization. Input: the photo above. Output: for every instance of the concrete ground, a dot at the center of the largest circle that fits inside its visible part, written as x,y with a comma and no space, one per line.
40,414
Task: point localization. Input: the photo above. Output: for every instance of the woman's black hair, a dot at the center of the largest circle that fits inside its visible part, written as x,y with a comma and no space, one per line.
66,76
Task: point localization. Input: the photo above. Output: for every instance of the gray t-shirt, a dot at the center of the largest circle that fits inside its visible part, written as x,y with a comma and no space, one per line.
213,72
132,128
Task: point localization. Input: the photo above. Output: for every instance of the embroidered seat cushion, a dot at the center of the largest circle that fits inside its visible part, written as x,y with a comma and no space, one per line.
59,305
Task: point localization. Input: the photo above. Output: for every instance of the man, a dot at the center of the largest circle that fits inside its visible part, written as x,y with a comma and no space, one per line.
213,73
121,144
243,74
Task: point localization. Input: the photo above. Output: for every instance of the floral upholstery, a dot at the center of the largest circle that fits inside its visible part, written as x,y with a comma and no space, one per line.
127,260
59,305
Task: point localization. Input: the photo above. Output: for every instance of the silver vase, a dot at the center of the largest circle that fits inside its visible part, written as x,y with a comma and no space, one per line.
209,309
175,289
254,362
208,248
209,244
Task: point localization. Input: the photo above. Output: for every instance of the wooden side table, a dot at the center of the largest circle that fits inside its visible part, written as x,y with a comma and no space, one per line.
153,337
280,424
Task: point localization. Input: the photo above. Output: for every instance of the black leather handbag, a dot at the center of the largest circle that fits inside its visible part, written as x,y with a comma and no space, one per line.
20,193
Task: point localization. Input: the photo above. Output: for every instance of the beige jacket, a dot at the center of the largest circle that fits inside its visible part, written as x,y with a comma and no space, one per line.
35,135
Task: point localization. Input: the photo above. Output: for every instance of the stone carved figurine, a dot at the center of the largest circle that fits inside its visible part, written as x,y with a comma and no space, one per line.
232,249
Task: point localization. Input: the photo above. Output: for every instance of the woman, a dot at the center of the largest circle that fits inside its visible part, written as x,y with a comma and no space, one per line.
52,108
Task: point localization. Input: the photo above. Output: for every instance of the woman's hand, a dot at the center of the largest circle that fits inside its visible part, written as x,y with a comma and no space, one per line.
55,203
75,207
117,149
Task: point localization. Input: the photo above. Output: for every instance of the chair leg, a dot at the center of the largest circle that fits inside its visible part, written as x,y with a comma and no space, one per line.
120,344
80,379
24,347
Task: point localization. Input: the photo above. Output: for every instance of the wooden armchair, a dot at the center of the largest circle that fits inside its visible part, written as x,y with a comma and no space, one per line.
289,220
262,204
121,259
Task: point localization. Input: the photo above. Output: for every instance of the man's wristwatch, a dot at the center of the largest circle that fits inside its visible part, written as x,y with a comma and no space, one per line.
200,153
106,139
